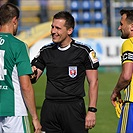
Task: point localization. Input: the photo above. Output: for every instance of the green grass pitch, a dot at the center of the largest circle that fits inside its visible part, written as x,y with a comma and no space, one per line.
106,118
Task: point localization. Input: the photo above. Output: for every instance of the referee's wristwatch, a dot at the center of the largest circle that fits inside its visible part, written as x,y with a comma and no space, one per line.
92,109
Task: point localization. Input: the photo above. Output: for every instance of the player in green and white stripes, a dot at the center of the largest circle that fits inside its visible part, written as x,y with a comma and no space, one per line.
16,91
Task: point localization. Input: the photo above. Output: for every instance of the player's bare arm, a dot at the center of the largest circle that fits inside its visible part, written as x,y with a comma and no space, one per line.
28,94
124,80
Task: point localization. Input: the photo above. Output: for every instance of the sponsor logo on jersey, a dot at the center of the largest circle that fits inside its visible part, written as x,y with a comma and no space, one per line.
93,56
3,87
72,71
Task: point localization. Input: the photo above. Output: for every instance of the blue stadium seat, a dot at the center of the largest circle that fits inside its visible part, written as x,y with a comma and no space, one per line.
98,16
75,32
87,16
77,16
86,5
75,5
98,4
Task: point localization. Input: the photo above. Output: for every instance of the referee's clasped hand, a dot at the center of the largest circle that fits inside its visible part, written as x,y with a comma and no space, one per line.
33,76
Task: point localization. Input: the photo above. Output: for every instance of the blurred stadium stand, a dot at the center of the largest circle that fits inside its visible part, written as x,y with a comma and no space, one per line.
88,14
115,15
31,12
100,16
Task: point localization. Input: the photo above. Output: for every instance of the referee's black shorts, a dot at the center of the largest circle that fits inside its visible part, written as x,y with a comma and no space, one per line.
63,117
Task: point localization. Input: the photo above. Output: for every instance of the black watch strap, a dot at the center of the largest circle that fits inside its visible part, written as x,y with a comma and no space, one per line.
92,109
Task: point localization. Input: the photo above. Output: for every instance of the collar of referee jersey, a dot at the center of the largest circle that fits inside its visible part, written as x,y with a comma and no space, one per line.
65,48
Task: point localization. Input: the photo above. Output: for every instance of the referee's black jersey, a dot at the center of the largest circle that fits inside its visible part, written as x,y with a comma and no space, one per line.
65,69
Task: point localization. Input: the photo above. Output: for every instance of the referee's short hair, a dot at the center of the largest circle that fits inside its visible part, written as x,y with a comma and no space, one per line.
70,22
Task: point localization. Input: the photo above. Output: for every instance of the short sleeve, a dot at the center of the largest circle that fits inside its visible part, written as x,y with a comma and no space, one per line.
23,61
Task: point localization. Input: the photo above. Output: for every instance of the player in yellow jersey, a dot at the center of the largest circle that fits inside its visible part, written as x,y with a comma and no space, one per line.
125,81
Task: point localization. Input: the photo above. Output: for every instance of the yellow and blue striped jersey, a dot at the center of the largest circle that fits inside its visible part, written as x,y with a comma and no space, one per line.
127,56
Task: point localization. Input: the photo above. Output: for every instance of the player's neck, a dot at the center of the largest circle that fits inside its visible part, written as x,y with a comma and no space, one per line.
5,29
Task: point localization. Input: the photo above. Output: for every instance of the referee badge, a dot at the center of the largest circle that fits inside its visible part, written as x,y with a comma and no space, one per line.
72,71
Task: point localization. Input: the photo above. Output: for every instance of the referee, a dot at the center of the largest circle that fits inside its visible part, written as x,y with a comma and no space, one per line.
67,62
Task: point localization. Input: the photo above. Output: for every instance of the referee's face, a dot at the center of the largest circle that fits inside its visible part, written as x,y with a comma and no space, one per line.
60,34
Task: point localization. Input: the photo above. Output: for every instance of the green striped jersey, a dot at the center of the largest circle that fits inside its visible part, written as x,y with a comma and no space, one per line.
14,62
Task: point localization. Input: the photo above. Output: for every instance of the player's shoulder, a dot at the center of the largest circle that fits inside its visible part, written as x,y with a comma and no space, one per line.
128,43
81,45
16,41
9,37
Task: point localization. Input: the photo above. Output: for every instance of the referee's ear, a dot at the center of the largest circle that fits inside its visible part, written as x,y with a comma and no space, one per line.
70,31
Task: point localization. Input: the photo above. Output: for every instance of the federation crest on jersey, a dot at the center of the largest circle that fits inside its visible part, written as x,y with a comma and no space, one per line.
72,71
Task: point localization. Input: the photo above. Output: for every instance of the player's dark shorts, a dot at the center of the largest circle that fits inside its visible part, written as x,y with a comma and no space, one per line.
63,117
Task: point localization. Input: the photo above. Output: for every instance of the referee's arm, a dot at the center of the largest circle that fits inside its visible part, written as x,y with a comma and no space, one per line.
92,78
